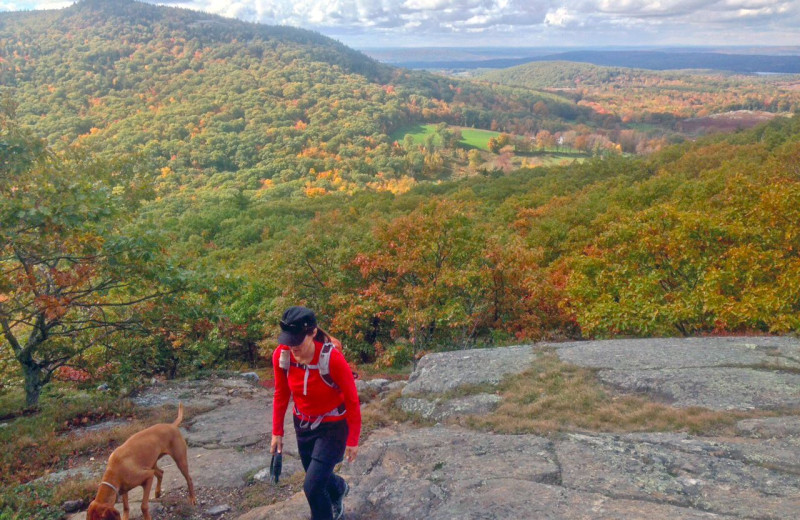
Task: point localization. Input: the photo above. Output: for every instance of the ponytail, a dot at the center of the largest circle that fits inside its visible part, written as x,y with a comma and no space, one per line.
322,336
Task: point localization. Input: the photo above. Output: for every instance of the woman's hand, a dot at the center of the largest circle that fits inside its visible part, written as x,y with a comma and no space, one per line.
350,453
277,444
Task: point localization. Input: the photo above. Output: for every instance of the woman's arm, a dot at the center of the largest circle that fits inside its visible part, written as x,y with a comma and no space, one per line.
280,399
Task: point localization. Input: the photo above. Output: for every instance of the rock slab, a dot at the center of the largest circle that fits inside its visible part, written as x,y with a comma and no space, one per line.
726,373
442,372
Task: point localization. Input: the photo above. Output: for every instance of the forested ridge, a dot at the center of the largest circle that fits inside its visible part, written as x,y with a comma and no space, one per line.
229,170
655,96
205,96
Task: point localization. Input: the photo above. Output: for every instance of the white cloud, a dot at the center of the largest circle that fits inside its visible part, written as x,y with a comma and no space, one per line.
561,17
22,5
515,22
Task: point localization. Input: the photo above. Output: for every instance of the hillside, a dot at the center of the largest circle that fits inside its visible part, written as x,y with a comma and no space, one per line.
203,97
267,178
699,238
655,96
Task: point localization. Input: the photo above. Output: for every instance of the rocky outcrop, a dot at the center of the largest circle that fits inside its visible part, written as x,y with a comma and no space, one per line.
717,373
448,472
442,409
452,473
445,371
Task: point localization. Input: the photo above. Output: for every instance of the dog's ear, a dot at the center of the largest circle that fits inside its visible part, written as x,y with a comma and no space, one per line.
110,513
102,512
91,513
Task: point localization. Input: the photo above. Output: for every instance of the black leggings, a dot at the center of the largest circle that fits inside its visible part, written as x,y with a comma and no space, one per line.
321,449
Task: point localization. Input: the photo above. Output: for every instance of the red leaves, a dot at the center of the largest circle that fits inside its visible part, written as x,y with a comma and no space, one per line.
71,374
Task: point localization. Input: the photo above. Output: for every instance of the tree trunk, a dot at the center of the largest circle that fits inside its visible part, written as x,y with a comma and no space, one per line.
33,382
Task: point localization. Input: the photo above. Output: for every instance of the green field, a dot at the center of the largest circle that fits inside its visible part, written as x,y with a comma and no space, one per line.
477,138
470,137
474,138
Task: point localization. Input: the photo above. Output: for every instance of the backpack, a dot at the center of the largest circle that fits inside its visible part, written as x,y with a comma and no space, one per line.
323,366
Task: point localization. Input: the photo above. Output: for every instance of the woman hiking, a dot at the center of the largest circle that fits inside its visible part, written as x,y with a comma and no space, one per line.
327,416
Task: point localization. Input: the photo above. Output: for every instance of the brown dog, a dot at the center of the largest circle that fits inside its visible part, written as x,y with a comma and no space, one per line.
134,464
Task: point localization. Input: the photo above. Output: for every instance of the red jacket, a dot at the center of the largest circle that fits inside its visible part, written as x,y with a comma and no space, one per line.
318,398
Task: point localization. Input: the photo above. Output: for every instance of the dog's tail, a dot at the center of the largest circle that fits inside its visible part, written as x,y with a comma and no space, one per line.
180,415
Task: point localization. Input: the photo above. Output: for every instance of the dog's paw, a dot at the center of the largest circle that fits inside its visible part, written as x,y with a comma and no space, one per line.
193,500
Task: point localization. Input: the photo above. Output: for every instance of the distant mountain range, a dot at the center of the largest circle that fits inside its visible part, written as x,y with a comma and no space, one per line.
653,60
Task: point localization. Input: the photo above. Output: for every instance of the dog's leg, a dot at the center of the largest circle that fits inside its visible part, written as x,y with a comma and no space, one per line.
181,456
159,475
146,497
126,510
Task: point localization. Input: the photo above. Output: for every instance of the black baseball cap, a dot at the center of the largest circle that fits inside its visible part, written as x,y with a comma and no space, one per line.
296,323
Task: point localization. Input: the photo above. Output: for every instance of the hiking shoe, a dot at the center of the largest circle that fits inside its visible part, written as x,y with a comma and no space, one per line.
338,504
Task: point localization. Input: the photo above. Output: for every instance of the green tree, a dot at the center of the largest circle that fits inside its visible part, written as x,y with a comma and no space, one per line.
70,278
474,157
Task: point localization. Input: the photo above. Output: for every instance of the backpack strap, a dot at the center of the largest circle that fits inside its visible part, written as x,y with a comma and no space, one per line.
323,365
285,361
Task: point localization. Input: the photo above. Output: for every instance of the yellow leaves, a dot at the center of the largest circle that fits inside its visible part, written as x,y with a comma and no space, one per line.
92,131
165,172
329,174
314,191
396,186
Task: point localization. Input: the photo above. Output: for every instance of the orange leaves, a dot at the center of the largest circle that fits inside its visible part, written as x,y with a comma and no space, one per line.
393,185
316,152
300,125
74,375
314,191
53,307
439,272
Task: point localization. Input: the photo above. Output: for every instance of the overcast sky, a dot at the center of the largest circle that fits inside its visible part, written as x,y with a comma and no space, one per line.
528,23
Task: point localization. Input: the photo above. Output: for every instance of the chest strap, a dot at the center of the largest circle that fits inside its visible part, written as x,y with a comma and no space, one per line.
312,421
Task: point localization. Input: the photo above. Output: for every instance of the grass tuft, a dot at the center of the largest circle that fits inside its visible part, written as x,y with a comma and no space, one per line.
554,396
